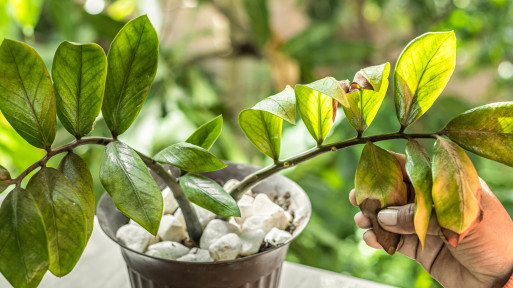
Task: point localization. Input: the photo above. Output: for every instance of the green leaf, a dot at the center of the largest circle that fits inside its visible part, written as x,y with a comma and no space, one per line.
206,135
132,65
64,219
363,103
379,184
421,73
456,190
258,15
379,176
486,131
206,193
282,105
263,129
76,171
79,72
23,243
26,93
4,176
127,180
316,108
190,158
418,168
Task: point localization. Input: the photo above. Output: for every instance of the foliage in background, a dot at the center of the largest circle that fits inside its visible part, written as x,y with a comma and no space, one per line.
327,37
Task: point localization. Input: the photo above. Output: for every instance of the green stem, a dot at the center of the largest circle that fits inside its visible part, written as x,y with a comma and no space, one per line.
189,213
251,180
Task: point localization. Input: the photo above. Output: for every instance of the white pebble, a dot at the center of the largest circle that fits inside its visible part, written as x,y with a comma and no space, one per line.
251,242
226,247
246,208
171,229
167,250
265,223
216,229
170,204
204,216
263,206
135,237
276,237
230,184
197,255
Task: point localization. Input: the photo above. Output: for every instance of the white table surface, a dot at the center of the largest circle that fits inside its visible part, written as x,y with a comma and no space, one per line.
102,265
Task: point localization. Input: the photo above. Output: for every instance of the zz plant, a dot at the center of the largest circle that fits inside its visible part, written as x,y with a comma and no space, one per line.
46,224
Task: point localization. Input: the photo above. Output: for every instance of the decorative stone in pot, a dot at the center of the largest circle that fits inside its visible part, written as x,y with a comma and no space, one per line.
260,270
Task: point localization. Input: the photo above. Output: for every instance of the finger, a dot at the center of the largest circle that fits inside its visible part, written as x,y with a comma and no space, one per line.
399,219
370,239
362,221
352,198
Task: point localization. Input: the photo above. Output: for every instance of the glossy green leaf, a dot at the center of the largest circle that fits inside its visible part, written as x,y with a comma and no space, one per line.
486,131
132,65
190,158
282,105
316,108
456,189
206,135
379,176
128,181
23,243
418,168
421,73
258,15
65,224
206,193
263,129
26,93
76,171
79,72
363,103
4,176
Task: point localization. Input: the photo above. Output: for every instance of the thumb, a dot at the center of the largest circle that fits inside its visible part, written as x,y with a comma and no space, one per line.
399,219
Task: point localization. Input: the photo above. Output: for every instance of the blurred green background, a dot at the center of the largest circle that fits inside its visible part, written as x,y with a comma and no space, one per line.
219,57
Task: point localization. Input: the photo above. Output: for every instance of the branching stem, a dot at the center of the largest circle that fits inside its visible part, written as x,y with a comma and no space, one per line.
251,180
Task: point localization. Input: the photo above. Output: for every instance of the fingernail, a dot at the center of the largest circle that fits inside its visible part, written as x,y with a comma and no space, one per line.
388,217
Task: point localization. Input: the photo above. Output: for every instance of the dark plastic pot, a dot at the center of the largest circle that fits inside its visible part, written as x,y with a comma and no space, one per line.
260,270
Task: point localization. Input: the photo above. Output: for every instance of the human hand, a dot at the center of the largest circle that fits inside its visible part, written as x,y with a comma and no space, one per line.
484,258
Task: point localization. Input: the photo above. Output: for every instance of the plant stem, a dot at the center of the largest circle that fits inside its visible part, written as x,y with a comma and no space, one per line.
189,213
65,148
251,180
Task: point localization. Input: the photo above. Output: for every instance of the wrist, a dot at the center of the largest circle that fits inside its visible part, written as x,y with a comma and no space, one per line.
509,284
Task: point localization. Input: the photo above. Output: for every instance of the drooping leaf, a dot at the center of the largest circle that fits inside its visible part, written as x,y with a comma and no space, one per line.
23,243
486,131
132,65
206,135
418,168
206,193
316,108
258,15
65,224
363,103
127,180
190,158
421,73
282,105
26,93
379,184
456,190
263,129
76,171
79,72
4,176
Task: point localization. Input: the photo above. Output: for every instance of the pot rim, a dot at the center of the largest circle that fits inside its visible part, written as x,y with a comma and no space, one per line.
295,234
